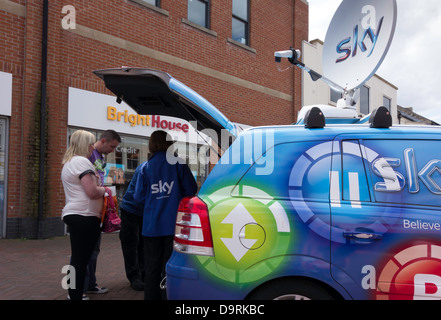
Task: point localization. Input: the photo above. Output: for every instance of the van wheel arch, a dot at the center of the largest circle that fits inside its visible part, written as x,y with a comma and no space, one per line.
294,288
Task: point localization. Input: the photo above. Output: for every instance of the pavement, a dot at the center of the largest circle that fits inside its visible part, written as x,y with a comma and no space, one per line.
31,270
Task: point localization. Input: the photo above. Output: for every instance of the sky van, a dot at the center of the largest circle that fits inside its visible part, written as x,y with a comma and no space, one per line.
324,209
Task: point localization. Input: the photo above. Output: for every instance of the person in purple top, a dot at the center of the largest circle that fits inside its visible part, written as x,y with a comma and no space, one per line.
106,144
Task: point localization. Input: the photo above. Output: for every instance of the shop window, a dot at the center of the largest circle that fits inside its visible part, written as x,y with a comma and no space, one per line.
240,22
122,163
133,160
196,157
198,12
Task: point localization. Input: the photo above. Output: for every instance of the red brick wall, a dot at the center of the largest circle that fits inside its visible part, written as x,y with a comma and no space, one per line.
274,25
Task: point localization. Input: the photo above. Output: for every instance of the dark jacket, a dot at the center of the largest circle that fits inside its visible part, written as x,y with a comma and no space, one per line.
161,186
128,203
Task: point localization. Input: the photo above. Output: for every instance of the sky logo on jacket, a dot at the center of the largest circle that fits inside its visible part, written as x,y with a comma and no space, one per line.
162,187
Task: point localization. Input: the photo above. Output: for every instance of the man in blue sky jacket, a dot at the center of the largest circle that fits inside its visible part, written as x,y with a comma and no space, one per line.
162,182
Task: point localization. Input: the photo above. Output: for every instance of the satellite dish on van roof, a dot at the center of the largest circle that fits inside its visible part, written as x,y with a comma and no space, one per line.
358,40
356,44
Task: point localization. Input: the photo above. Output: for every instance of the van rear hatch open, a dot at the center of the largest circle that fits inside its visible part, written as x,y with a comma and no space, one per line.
152,92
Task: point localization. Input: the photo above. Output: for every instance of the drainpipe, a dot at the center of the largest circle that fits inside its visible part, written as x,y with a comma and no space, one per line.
43,116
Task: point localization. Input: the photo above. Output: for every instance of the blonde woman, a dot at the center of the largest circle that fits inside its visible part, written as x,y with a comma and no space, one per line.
84,201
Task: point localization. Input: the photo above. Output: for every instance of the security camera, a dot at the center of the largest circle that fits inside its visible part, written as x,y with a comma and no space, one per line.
292,55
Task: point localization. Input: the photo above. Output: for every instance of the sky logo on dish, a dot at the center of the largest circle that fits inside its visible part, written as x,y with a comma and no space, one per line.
359,39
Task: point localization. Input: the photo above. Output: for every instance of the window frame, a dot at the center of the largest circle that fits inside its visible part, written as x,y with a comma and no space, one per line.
368,100
156,8
207,13
157,3
389,107
334,94
245,22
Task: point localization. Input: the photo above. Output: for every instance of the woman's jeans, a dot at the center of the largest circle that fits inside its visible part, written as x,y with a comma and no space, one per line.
84,234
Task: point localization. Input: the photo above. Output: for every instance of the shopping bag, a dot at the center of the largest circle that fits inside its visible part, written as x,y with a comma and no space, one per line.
110,221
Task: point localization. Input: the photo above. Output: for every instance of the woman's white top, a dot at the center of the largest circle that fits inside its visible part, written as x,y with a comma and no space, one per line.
77,201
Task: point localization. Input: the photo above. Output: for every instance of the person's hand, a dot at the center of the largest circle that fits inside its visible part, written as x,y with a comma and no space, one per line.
107,192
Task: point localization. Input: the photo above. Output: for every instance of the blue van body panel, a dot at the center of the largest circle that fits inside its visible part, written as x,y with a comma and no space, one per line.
352,207
357,209
191,283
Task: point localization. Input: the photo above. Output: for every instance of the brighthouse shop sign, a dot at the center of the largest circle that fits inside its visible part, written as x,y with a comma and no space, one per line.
98,111
135,119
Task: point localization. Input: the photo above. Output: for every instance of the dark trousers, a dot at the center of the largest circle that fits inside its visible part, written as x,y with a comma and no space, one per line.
84,234
132,245
90,279
157,251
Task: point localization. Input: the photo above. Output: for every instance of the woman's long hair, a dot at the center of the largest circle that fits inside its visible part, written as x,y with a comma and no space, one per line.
79,145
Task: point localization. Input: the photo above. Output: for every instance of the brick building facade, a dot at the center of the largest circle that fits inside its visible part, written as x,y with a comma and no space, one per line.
238,76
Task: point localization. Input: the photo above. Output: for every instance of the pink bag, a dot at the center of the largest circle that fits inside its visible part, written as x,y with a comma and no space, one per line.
110,221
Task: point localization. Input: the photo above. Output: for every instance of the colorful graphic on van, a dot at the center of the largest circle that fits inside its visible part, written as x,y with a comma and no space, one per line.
250,235
414,273
346,182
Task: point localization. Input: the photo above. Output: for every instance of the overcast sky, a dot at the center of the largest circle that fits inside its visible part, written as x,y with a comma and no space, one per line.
413,61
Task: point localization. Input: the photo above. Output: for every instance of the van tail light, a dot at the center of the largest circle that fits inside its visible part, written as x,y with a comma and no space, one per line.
193,233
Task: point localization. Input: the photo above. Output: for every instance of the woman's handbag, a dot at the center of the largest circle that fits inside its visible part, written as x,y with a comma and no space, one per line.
110,221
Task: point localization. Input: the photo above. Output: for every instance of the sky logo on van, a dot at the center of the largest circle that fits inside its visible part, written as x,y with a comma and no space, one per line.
162,187
395,181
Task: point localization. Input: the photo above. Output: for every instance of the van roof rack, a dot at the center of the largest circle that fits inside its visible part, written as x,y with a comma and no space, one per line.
314,118
333,115
380,118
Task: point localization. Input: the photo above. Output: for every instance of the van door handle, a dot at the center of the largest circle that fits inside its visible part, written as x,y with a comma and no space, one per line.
362,235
